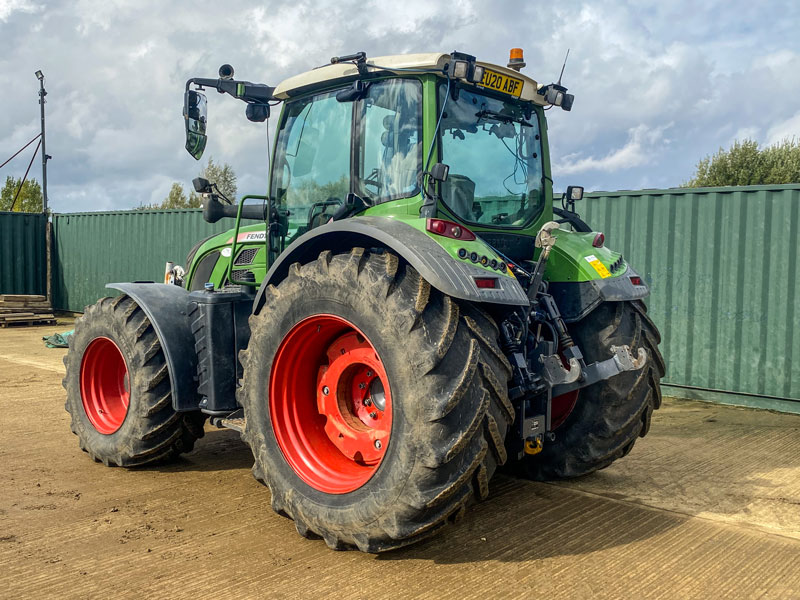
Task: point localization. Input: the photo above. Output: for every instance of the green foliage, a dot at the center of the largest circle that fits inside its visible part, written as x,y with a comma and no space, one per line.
222,175
745,164
30,197
175,199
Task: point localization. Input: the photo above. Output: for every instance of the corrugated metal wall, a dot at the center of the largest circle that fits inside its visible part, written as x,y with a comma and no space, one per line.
92,249
723,266
23,258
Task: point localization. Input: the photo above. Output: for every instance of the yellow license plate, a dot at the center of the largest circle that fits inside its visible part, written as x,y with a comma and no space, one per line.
501,83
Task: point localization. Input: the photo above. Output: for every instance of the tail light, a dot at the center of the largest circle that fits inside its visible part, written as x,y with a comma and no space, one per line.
449,229
599,240
636,280
486,282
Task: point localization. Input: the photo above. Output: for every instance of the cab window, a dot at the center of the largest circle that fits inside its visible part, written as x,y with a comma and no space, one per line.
390,149
312,161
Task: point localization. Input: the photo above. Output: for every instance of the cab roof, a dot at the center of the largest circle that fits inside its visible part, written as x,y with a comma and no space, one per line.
409,63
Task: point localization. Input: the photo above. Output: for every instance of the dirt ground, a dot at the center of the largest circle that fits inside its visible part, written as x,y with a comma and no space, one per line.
706,506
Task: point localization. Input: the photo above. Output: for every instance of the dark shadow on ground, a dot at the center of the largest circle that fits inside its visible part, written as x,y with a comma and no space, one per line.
523,521
217,450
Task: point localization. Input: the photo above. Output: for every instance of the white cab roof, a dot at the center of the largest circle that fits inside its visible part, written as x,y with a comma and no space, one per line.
320,76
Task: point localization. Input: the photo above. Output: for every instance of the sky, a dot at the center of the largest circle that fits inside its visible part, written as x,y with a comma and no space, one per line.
658,85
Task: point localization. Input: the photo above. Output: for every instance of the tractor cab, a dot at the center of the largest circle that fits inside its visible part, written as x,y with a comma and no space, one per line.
359,134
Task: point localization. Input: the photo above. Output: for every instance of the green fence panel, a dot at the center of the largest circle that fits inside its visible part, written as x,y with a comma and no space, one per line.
723,267
92,249
722,264
23,258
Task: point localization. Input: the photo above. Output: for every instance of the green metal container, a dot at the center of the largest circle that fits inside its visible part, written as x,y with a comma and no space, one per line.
723,265
23,258
92,249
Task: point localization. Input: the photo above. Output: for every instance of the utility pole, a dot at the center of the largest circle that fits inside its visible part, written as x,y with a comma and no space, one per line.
45,157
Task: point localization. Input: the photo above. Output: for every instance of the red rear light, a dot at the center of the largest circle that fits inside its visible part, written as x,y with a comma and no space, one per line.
486,282
449,229
636,280
599,240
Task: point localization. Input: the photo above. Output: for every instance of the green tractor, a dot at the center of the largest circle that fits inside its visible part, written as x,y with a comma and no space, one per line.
407,312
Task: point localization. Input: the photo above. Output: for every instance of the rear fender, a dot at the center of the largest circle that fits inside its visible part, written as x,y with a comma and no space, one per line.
581,275
434,264
167,306
577,299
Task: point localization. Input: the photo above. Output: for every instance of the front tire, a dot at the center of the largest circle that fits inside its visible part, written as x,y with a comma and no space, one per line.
118,389
608,416
325,330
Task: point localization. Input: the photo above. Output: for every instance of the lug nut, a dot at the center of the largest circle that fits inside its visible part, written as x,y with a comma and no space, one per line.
369,373
373,414
367,401
325,390
378,444
362,385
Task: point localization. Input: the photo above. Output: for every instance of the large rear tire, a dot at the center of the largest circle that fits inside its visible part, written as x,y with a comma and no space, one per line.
610,415
432,434
119,392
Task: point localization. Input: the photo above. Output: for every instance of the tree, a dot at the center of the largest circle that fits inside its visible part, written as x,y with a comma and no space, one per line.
223,176
175,199
30,197
745,164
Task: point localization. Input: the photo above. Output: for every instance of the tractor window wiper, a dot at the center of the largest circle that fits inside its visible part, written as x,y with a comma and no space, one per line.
491,114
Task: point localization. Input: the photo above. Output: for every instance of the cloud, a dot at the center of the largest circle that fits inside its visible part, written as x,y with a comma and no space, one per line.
9,7
642,148
788,129
657,85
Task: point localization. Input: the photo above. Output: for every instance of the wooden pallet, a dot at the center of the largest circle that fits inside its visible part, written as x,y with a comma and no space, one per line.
21,298
25,309
12,305
26,319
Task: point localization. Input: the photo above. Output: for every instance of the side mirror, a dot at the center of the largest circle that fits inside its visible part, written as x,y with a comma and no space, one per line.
194,115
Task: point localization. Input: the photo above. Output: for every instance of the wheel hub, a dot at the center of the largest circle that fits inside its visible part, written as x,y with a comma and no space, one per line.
330,404
354,422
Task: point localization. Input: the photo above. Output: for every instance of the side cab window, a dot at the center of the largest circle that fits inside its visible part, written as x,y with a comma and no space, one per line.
312,160
390,149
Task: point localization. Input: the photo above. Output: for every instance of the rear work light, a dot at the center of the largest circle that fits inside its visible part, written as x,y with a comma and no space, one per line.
449,229
486,282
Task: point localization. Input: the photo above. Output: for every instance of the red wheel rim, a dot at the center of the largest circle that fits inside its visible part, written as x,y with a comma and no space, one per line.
105,388
330,404
561,406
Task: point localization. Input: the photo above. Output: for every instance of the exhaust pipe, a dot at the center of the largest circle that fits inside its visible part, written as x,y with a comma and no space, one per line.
214,210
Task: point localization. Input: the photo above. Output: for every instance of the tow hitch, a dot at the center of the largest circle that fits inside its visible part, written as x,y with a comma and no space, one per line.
621,361
559,372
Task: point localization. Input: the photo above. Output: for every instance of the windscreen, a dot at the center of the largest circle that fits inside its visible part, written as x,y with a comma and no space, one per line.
495,158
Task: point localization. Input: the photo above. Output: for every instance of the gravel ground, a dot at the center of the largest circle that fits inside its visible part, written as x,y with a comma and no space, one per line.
706,506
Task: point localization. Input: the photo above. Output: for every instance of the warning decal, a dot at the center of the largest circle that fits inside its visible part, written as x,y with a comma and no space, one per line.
598,266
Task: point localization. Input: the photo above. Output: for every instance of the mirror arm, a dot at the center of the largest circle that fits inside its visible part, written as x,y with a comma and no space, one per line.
252,93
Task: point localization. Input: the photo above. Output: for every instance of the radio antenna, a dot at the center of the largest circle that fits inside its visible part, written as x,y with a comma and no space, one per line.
563,66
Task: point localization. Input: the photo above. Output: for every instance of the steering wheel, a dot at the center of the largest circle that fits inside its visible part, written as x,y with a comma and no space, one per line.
318,213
